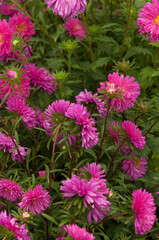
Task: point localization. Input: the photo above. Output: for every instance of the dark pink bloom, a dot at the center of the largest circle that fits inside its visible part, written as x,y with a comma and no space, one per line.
94,170
10,190
11,74
21,25
148,20
74,27
36,200
8,9
123,91
17,104
144,211
134,167
10,223
42,174
77,233
66,8
5,38
134,134
40,77
87,97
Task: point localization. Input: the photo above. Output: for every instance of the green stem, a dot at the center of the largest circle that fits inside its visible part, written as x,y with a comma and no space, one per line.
89,43
125,31
69,61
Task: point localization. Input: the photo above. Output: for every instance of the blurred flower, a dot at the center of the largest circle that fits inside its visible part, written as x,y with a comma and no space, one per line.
144,211
15,230
25,215
134,134
87,98
122,91
134,167
11,74
21,25
149,20
74,27
8,9
42,174
36,200
40,77
10,190
77,233
5,38
17,104
66,8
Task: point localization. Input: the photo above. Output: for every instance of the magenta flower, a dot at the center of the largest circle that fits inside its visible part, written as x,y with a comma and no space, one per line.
134,167
123,91
10,223
94,170
148,20
17,104
22,26
144,211
40,77
36,200
10,190
8,9
42,174
134,134
87,97
66,8
5,38
77,233
74,27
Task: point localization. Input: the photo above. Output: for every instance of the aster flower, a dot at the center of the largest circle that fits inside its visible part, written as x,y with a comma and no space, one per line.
5,38
134,134
94,170
122,91
77,233
42,174
10,190
40,77
36,200
17,104
87,97
148,20
74,27
66,8
14,231
134,167
8,9
21,25
144,211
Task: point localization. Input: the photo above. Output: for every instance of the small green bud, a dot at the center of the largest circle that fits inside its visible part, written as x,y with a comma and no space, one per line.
61,75
69,45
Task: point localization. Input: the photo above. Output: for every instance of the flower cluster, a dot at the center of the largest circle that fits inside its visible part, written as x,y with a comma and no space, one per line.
94,191
7,143
144,211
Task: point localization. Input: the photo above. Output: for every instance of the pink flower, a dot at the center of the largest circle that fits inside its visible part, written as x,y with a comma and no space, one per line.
94,170
36,200
5,38
134,167
66,8
11,74
77,233
144,211
10,190
122,91
42,174
17,104
149,20
87,97
21,25
74,27
8,9
10,223
40,77
134,134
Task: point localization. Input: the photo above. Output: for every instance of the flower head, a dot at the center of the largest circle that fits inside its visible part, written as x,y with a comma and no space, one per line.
40,77
77,233
36,200
5,38
144,211
14,230
123,91
94,170
134,167
148,20
8,9
42,174
66,8
10,190
21,25
74,27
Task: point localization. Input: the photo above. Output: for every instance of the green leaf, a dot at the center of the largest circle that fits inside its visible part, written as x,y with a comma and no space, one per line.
50,218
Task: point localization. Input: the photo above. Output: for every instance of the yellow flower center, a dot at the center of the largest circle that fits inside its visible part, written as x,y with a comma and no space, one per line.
137,160
156,20
21,28
1,38
111,88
